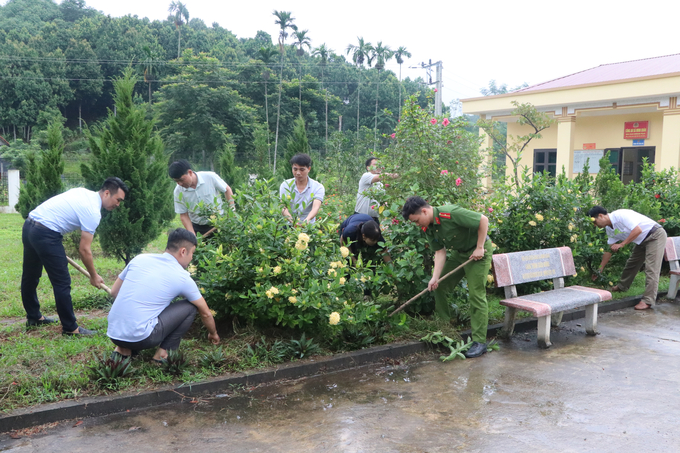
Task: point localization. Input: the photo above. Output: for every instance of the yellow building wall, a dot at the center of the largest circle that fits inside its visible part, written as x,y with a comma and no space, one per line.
603,131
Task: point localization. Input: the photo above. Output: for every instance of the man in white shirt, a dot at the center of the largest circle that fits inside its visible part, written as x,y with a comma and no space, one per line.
370,180
43,230
649,237
196,192
142,316
304,194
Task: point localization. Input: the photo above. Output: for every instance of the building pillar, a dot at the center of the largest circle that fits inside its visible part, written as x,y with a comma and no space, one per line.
486,151
669,155
566,127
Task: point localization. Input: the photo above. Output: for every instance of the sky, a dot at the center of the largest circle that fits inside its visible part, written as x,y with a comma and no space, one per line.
512,42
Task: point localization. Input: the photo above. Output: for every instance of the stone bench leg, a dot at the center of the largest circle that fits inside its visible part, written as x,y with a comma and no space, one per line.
509,325
591,319
673,286
556,318
544,332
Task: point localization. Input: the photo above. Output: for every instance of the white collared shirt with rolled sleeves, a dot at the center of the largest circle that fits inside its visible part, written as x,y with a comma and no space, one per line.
210,189
623,222
302,202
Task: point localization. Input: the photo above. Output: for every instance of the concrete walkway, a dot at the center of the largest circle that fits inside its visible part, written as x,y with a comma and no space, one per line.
617,392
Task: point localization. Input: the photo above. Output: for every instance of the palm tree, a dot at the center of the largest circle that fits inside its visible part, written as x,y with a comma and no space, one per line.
302,41
399,55
324,53
360,53
284,20
266,56
381,54
150,66
181,13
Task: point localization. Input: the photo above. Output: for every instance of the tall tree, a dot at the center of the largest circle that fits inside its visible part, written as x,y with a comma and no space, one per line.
324,53
128,146
381,54
284,19
151,66
43,174
301,41
266,56
298,143
181,17
399,55
360,53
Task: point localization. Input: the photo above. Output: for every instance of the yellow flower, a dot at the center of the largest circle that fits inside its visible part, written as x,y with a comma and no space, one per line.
202,290
575,275
363,279
592,219
489,278
269,294
573,238
261,250
192,269
583,269
334,264
292,299
259,269
274,290
344,251
303,237
277,270
539,217
342,280
294,291
575,209
590,244
328,286
332,272
227,295
601,249
213,312
611,284
571,226
532,223
500,221
334,318
301,245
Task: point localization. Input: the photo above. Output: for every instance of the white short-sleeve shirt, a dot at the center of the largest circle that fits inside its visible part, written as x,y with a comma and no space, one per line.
150,283
75,209
302,202
209,190
364,203
623,222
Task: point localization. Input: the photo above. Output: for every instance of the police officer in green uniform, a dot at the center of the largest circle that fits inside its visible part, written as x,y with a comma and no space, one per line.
463,232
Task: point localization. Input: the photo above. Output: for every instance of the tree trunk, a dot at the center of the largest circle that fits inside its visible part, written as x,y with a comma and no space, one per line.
375,123
80,117
300,88
326,89
179,40
149,91
358,104
266,112
278,117
399,116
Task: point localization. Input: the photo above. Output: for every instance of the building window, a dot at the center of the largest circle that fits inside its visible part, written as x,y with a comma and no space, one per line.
545,160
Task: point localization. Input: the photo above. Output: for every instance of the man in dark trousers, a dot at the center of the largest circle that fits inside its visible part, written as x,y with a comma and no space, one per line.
463,232
42,234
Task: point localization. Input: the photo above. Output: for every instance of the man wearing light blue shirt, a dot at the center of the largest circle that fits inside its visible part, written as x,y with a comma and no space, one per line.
304,194
143,315
75,209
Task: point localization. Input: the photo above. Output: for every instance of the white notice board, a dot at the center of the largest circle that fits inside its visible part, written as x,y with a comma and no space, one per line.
593,157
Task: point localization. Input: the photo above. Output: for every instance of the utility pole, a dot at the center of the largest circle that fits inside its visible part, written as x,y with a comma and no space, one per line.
437,83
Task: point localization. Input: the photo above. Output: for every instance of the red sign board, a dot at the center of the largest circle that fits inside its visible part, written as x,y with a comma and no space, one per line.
589,146
634,130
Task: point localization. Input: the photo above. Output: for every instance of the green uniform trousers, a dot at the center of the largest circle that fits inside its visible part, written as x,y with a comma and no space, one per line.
476,273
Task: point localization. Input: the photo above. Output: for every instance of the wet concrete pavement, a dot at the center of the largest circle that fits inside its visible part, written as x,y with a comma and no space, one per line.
617,392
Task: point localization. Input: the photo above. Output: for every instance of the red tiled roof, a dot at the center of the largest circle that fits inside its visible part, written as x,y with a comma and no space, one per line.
647,67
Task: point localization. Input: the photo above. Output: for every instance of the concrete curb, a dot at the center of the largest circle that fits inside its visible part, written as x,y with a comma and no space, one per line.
97,406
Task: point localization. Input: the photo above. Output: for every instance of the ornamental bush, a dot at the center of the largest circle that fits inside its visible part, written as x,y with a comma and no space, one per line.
258,267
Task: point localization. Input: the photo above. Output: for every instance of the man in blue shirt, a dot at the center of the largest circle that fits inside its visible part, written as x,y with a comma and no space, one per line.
42,234
143,316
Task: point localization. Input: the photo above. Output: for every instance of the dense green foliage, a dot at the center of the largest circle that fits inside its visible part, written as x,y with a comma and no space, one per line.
43,172
128,147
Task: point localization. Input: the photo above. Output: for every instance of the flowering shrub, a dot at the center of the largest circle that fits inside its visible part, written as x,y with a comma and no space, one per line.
259,268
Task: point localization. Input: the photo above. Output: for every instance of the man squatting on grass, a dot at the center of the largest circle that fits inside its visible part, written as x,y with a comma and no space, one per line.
464,233
142,315
649,237
194,188
42,236
305,194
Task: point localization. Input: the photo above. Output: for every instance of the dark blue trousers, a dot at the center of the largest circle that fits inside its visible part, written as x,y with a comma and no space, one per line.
43,248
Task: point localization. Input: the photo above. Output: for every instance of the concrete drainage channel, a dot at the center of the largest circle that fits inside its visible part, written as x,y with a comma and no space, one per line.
97,406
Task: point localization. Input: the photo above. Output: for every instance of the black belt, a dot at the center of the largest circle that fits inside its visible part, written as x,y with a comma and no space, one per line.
654,228
38,224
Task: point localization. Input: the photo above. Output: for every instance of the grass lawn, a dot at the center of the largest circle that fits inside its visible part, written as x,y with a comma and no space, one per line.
40,365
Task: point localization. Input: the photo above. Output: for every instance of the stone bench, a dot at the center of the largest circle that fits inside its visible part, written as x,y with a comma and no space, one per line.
511,269
672,255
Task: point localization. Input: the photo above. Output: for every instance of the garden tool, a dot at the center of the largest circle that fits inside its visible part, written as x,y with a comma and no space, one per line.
87,274
425,290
